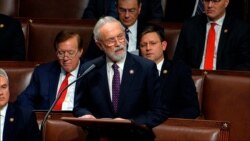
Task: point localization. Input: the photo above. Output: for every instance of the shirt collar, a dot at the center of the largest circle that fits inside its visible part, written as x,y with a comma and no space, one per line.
159,66
133,27
3,110
219,21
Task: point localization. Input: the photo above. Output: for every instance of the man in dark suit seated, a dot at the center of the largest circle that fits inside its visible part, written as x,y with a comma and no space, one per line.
214,40
12,45
176,78
122,87
17,123
151,9
49,79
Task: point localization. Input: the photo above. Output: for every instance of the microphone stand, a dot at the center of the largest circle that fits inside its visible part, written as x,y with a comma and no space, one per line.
60,94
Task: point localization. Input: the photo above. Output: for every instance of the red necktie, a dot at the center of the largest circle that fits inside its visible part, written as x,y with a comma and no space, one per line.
209,58
64,84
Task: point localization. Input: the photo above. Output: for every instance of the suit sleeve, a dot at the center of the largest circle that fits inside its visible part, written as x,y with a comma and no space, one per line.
17,43
188,93
157,112
29,95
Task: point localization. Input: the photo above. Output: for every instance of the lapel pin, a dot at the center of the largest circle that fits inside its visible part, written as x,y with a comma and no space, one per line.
1,25
225,30
165,71
11,119
131,71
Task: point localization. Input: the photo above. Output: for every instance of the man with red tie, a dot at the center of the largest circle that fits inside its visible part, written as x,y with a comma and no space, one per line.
214,40
49,79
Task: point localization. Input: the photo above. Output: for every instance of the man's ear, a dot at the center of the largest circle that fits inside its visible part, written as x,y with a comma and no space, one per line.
99,45
81,52
164,45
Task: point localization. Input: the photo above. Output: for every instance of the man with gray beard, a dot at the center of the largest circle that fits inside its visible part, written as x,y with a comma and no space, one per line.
123,86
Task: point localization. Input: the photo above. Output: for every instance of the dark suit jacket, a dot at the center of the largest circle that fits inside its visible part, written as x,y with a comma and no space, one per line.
20,124
233,49
179,10
139,100
12,46
151,10
179,90
41,92
98,8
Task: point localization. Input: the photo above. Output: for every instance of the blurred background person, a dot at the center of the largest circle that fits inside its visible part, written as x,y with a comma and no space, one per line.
214,40
151,9
12,43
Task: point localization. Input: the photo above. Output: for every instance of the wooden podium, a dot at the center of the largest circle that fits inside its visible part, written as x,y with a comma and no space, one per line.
105,126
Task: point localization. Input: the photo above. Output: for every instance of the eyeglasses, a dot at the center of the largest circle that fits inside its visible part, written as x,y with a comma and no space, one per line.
112,41
70,54
122,10
214,1
151,43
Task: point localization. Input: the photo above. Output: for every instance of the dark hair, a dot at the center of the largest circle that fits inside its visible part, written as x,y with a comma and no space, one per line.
138,1
154,28
65,35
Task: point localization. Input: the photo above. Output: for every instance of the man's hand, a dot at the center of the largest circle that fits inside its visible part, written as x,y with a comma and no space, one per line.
88,117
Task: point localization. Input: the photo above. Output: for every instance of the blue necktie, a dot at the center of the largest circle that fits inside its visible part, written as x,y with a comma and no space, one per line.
115,87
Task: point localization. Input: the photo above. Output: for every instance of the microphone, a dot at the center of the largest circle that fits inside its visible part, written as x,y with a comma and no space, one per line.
91,67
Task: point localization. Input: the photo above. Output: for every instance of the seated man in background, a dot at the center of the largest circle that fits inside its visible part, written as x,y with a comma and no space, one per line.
17,123
49,79
151,9
214,40
123,86
177,84
12,45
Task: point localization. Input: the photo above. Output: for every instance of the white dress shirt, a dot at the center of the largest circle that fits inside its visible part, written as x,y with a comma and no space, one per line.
159,66
110,72
2,120
68,103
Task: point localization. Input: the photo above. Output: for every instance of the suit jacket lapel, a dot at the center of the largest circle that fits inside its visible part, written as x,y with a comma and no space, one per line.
53,82
165,70
102,79
9,125
105,87
223,38
201,43
129,72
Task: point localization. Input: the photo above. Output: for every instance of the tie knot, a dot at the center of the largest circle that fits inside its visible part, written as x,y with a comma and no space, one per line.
67,75
127,30
115,66
213,24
